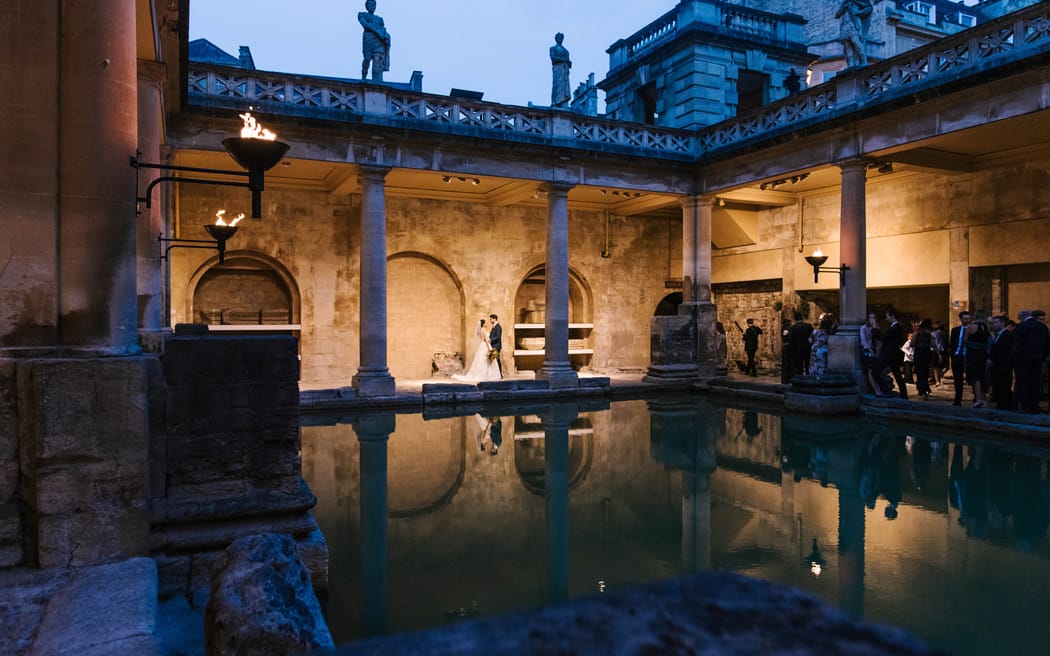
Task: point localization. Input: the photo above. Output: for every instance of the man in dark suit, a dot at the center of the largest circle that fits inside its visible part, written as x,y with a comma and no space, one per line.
496,341
1000,364
890,355
798,345
1029,351
957,353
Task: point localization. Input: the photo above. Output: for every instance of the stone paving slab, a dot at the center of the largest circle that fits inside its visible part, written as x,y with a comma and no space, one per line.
104,610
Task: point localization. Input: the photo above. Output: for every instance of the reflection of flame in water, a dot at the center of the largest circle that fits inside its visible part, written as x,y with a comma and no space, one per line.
219,220
252,129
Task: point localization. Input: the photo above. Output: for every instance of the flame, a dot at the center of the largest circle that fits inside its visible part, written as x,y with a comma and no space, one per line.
219,220
252,129
817,253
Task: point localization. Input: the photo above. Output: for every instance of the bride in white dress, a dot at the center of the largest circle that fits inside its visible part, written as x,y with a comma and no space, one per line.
481,367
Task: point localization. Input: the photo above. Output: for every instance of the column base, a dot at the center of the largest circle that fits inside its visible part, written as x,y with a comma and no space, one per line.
670,373
559,377
374,385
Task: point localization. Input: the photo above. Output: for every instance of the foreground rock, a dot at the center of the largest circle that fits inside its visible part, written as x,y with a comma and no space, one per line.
715,613
262,601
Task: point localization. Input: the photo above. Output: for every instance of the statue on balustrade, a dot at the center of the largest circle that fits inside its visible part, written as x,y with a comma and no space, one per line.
854,17
375,43
560,65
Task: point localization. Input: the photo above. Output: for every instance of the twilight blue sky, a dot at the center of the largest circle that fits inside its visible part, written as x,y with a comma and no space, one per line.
499,47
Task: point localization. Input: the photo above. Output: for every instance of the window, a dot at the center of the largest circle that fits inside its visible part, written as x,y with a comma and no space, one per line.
967,20
924,8
750,91
648,96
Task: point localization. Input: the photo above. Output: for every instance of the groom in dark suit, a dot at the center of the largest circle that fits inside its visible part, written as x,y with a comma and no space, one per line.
496,341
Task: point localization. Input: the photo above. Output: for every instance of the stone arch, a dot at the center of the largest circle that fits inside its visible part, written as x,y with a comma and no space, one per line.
249,287
668,305
425,472
425,314
529,453
529,308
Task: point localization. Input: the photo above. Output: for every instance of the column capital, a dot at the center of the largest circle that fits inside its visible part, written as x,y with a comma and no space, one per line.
697,200
558,188
372,172
854,163
153,72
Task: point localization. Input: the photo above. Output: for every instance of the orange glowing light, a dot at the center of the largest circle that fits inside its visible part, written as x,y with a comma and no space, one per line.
219,220
252,129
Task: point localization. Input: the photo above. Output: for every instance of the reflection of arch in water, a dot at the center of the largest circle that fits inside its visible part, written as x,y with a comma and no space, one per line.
249,288
668,305
421,286
529,452
420,458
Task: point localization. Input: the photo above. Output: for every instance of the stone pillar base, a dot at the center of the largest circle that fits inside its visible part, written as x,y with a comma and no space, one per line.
559,378
370,385
832,393
683,346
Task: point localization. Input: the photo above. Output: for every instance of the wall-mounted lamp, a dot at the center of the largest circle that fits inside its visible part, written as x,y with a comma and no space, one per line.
220,231
776,184
257,150
818,258
448,179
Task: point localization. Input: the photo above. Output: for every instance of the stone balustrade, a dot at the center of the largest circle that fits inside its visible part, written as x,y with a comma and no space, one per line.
975,52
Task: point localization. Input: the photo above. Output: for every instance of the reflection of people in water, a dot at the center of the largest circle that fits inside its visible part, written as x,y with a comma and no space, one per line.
921,459
1029,503
890,476
489,434
751,426
495,435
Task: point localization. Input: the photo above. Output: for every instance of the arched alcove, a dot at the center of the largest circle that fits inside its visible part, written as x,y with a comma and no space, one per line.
248,289
426,471
530,317
668,305
424,314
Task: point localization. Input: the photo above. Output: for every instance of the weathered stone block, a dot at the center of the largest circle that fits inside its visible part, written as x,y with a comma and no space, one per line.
262,601
84,426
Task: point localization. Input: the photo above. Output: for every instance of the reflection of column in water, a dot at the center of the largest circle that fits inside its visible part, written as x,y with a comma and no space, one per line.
372,433
683,435
556,492
851,553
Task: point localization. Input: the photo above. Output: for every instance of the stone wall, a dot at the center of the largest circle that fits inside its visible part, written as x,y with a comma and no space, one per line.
11,535
739,302
82,427
230,465
449,264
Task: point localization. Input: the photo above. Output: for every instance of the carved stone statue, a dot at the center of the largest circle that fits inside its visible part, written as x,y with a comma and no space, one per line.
375,42
560,65
854,17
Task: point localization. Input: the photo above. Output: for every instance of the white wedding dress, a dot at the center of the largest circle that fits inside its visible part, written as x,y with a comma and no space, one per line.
481,367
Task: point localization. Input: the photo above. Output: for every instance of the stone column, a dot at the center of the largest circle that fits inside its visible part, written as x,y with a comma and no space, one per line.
151,307
373,378
557,370
373,434
96,212
844,346
556,495
696,248
684,346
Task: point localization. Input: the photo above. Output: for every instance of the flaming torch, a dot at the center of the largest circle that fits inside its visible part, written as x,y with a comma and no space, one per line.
257,150
220,231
